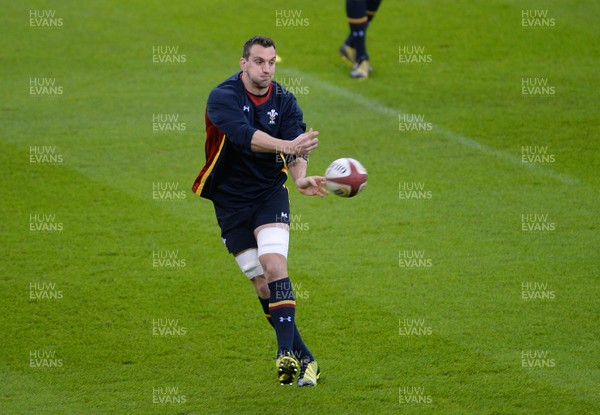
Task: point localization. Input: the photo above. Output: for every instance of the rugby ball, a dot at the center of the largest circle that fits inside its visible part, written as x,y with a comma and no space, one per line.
345,177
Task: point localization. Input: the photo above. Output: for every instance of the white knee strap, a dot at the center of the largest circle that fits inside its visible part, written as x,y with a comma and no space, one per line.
249,264
273,240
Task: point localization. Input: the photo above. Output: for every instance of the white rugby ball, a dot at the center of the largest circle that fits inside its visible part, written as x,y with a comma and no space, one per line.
346,177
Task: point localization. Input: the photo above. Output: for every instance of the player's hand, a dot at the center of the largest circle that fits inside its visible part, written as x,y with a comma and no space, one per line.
312,186
304,143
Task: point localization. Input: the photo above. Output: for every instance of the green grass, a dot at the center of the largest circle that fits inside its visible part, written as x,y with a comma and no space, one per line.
345,260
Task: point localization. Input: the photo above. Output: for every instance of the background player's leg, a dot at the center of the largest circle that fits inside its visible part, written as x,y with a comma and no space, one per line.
356,11
372,7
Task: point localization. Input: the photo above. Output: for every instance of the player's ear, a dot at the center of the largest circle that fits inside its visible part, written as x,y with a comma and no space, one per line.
243,64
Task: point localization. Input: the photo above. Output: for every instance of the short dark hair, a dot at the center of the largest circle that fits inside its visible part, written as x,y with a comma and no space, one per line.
265,42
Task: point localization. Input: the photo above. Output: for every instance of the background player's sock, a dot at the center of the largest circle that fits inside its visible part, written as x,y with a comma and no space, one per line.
356,10
372,6
300,350
282,307
349,40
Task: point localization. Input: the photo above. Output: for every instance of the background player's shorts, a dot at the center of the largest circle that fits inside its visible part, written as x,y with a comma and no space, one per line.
238,225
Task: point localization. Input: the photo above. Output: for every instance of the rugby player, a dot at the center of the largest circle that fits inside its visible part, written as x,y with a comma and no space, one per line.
255,135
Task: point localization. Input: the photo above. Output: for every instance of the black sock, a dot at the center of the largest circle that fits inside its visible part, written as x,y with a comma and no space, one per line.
264,302
349,40
282,307
372,6
300,350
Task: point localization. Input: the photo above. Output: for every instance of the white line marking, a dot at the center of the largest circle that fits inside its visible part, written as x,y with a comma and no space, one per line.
452,136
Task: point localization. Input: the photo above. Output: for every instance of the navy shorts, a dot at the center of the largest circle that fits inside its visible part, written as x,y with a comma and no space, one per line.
238,225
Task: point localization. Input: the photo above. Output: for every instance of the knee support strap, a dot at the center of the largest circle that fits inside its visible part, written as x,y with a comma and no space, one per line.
249,264
273,240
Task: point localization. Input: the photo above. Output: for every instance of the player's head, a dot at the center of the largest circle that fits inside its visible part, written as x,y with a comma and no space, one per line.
258,61
265,42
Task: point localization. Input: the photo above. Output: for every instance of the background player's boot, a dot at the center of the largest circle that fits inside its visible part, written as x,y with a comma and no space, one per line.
287,368
360,70
348,53
309,373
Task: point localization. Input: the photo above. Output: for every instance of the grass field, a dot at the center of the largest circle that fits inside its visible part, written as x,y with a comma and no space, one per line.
463,280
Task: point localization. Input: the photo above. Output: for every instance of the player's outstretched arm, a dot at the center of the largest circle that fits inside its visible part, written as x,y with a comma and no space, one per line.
309,186
300,146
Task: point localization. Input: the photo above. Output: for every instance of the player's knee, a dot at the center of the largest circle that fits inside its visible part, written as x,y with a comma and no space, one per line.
275,266
273,242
